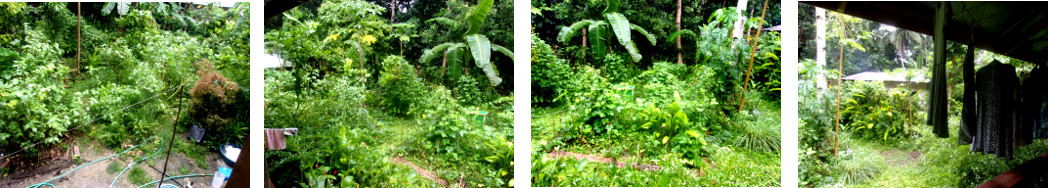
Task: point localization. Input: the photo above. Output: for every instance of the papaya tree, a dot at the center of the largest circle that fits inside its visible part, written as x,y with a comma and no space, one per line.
597,32
475,44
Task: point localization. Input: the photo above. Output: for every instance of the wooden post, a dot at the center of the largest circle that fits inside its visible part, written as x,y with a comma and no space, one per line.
746,84
680,59
840,69
172,140
78,17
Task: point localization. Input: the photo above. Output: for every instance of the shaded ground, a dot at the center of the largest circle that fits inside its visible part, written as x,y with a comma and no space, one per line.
95,175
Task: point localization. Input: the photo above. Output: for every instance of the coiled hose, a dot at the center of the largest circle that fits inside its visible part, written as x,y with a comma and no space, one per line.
136,162
47,183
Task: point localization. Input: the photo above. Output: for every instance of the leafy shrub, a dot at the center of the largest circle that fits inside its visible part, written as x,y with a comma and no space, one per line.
549,75
401,87
871,112
36,105
214,98
468,91
7,59
444,125
618,68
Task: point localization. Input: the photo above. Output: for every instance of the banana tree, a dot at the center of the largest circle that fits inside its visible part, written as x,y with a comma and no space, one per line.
715,39
597,32
476,45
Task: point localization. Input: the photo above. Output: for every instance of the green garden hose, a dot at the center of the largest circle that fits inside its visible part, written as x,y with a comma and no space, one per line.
176,177
133,164
47,183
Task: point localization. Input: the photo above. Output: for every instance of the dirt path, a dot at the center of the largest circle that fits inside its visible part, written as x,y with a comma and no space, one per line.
95,175
421,171
557,154
899,158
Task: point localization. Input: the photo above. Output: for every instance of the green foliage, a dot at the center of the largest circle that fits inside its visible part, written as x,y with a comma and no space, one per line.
478,45
137,176
468,91
445,125
618,69
869,111
401,87
549,76
36,105
114,167
614,24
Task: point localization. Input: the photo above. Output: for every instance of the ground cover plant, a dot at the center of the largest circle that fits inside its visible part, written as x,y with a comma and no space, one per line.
647,115
105,77
881,138
392,94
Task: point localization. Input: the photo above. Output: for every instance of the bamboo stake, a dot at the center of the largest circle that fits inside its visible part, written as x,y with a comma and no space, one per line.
78,18
840,72
172,140
745,85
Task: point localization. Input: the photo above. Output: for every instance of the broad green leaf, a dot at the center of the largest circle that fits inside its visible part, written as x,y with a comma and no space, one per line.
123,8
480,47
436,51
108,8
598,39
444,21
12,103
566,33
620,26
504,50
613,6
455,60
476,18
651,38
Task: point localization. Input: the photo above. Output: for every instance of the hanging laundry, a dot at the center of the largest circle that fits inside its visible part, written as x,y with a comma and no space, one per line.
1028,110
995,102
937,111
1037,98
967,128
275,138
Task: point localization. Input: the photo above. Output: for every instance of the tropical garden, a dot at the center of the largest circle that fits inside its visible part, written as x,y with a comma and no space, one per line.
655,93
872,133
391,93
92,92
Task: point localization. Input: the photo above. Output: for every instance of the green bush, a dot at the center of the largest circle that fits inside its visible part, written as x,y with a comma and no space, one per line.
401,87
872,112
468,91
618,68
36,105
549,74
444,125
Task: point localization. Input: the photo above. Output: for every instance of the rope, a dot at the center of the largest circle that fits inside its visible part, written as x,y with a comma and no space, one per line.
176,177
47,183
5,156
133,164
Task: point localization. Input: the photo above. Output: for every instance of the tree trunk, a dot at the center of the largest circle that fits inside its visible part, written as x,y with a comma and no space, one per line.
393,11
444,64
820,45
680,59
78,17
737,31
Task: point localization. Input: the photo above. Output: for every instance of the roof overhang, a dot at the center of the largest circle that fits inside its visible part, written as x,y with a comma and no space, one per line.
1014,29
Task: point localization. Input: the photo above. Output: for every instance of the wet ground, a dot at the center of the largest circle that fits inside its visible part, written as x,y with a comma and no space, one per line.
95,175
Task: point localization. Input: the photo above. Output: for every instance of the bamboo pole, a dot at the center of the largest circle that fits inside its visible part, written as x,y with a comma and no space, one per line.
746,85
78,28
840,72
172,140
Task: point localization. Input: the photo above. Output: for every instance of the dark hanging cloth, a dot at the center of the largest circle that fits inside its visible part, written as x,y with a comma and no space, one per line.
937,111
995,94
967,128
1033,105
1040,102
